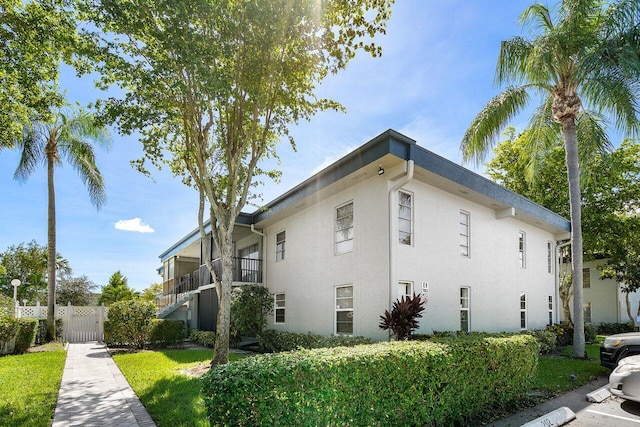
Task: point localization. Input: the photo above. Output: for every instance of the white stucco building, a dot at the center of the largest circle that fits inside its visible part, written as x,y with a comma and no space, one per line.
391,218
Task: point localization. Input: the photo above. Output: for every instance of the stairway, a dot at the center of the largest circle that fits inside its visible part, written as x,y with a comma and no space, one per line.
182,298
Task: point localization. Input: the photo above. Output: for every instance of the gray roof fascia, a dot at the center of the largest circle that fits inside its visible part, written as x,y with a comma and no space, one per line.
389,142
473,181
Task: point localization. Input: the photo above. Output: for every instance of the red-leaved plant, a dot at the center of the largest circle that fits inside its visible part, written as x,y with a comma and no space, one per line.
402,319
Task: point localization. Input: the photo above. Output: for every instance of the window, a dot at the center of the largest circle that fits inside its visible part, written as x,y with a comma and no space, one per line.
405,218
344,228
587,312
522,249
550,306
344,310
405,289
586,277
464,309
523,311
249,263
279,303
550,257
280,239
464,234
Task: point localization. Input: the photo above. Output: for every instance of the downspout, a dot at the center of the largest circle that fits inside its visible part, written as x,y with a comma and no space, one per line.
408,176
264,257
559,246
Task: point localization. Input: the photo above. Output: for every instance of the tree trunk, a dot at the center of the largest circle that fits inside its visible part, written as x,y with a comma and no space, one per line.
626,299
573,172
51,251
223,289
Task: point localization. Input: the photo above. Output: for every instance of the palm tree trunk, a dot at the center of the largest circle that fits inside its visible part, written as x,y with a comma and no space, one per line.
573,172
51,251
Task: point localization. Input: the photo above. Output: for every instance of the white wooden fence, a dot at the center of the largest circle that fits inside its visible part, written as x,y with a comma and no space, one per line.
79,323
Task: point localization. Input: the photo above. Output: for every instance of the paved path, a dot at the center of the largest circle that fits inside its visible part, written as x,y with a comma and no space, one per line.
95,393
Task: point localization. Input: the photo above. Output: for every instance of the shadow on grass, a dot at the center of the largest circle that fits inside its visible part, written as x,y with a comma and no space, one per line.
175,401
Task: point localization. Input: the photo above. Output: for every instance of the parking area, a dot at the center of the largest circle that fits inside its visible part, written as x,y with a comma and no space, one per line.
613,411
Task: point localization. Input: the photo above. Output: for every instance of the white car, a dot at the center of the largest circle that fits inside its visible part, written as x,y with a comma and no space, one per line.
624,381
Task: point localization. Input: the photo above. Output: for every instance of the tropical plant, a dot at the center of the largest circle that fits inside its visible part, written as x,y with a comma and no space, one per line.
117,290
402,320
584,63
250,306
213,86
68,136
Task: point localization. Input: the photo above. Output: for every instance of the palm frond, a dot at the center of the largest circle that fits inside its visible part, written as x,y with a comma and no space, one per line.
485,128
539,15
512,60
31,153
81,156
621,16
542,135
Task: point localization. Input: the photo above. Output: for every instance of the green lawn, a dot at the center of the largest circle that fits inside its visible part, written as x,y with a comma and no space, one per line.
171,397
29,385
554,373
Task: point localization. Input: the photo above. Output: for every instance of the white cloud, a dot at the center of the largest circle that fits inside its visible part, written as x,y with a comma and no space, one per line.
134,224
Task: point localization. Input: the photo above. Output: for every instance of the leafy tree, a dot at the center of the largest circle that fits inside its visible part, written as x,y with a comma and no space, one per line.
28,263
117,290
250,307
153,292
611,191
584,63
36,36
402,320
68,136
214,85
75,290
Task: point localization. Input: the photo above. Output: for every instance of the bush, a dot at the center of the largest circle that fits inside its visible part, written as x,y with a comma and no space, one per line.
8,331
614,328
250,307
288,341
402,320
589,333
26,335
546,340
563,332
167,332
391,383
203,338
129,323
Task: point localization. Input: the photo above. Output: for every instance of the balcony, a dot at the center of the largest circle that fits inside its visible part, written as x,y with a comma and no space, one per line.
186,284
245,270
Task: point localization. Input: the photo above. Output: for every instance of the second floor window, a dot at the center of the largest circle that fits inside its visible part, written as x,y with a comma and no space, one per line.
586,277
549,257
344,228
405,218
522,249
464,234
280,239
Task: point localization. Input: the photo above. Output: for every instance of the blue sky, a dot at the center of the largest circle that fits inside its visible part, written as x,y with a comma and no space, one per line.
435,75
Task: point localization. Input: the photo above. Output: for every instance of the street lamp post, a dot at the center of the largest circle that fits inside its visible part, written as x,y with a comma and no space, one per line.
15,283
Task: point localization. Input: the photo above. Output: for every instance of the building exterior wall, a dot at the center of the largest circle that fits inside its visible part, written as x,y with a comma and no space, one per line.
310,271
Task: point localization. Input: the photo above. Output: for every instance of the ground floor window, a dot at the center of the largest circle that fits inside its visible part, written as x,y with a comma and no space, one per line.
464,309
550,307
587,312
523,311
279,305
405,289
344,310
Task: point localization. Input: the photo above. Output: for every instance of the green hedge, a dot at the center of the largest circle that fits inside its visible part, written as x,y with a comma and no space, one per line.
26,336
129,323
167,332
8,331
395,383
287,341
203,338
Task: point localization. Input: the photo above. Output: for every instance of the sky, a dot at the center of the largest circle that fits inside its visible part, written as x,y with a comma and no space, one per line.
435,74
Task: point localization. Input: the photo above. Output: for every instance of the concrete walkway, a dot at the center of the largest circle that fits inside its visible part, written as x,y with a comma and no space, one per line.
95,393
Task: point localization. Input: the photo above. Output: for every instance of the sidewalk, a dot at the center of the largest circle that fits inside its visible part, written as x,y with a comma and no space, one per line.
94,392
575,400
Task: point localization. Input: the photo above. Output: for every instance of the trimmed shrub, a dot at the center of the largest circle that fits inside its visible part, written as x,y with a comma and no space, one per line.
167,332
26,335
546,340
129,323
564,333
390,383
8,331
203,338
614,328
288,341
589,333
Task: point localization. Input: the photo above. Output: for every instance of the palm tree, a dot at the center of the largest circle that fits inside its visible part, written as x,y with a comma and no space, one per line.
584,63
67,136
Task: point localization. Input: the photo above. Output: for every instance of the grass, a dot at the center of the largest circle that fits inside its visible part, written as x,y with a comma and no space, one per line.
554,374
171,397
29,387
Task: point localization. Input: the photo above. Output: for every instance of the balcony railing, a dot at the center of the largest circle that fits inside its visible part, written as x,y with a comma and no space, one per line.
245,270
186,283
